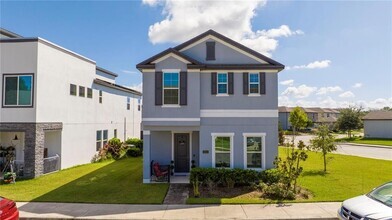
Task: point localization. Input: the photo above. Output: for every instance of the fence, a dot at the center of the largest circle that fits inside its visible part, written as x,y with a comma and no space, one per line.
51,164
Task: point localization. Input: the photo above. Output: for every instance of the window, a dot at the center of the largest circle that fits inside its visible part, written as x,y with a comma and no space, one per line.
222,83
222,150
170,89
18,90
128,103
105,137
82,91
253,150
100,96
99,140
210,50
254,83
72,89
138,104
89,93
115,133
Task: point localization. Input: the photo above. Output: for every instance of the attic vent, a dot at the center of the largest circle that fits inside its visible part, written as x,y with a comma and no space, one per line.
210,50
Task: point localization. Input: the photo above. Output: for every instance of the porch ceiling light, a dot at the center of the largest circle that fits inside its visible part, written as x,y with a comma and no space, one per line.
15,138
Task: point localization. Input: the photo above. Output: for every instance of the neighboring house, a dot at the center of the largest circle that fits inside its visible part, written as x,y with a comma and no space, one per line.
210,101
317,115
56,102
378,124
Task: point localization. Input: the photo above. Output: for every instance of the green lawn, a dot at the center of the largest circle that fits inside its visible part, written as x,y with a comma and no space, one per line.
106,182
373,141
347,176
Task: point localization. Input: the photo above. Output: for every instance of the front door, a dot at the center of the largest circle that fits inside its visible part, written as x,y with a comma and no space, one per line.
181,153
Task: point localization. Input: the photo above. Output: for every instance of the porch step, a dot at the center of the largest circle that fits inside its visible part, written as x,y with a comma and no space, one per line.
177,194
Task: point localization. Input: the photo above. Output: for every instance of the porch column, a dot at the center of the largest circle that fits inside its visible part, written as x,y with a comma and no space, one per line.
34,150
146,156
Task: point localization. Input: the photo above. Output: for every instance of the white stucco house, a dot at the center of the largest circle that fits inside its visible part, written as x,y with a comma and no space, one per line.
57,102
378,124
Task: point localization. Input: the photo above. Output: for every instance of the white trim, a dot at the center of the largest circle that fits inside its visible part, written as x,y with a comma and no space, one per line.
146,180
170,119
262,135
171,70
171,55
213,136
190,150
171,106
240,113
239,70
226,44
148,70
222,83
222,95
146,132
254,95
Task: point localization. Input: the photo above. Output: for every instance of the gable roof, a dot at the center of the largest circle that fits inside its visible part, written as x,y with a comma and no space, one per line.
9,34
378,115
272,64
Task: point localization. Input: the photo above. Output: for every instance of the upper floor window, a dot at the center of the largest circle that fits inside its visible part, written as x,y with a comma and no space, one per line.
128,103
100,96
82,91
72,89
18,91
222,83
254,83
89,93
170,89
210,50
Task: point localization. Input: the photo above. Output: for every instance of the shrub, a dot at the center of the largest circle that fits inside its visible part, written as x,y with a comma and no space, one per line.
135,142
226,177
270,176
114,149
278,191
134,152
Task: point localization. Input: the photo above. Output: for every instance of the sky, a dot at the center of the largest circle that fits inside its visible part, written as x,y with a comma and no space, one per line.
336,53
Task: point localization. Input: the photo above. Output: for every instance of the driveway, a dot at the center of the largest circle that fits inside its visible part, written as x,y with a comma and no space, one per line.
347,149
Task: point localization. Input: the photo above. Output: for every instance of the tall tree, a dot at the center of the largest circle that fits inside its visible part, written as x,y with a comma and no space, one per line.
323,142
298,119
350,119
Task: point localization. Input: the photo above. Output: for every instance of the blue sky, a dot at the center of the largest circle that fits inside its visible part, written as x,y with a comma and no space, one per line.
337,53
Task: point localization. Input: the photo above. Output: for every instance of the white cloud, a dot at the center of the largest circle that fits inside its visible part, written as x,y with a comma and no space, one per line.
129,72
285,101
186,19
301,91
137,87
347,94
357,85
313,65
287,82
330,89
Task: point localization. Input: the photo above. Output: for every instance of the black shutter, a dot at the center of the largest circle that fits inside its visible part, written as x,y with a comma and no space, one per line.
210,50
245,83
213,83
231,83
158,88
262,83
183,88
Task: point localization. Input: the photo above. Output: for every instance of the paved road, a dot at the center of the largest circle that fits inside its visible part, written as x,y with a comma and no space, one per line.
34,210
347,149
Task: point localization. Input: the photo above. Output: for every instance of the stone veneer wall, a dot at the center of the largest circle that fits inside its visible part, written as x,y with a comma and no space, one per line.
34,144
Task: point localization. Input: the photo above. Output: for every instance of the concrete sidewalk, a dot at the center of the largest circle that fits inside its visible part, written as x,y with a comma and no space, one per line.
365,145
102,211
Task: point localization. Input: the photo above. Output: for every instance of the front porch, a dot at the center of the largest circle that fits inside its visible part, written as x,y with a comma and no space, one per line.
30,149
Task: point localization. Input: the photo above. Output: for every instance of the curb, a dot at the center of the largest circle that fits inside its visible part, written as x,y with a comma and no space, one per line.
40,218
365,145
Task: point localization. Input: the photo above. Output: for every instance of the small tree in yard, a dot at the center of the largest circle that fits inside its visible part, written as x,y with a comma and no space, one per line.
324,142
349,119
298,119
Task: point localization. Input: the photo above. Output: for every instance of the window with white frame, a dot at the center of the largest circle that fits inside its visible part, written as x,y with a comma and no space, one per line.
170,88
99,140
254,83
18,90
254,150
105,137
128,103
222,83
222,148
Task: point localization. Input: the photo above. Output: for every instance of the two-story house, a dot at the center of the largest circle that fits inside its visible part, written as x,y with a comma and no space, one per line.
58,108
211,102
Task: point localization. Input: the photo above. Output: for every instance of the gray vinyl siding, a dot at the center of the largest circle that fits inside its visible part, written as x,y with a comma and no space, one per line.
284,120
378,128
238,100
195,147
223,54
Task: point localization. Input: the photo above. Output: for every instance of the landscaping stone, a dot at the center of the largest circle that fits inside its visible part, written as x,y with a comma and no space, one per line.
177,194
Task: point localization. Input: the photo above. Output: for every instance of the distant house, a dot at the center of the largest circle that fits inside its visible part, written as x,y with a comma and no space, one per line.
58,108
317,115
378,124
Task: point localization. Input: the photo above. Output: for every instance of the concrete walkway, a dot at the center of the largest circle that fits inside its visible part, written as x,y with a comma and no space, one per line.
101,211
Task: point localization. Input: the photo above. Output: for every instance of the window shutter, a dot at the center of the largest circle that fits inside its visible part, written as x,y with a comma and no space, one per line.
213,83
262,83
210,50
158,88
231,83
245,83
183,88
